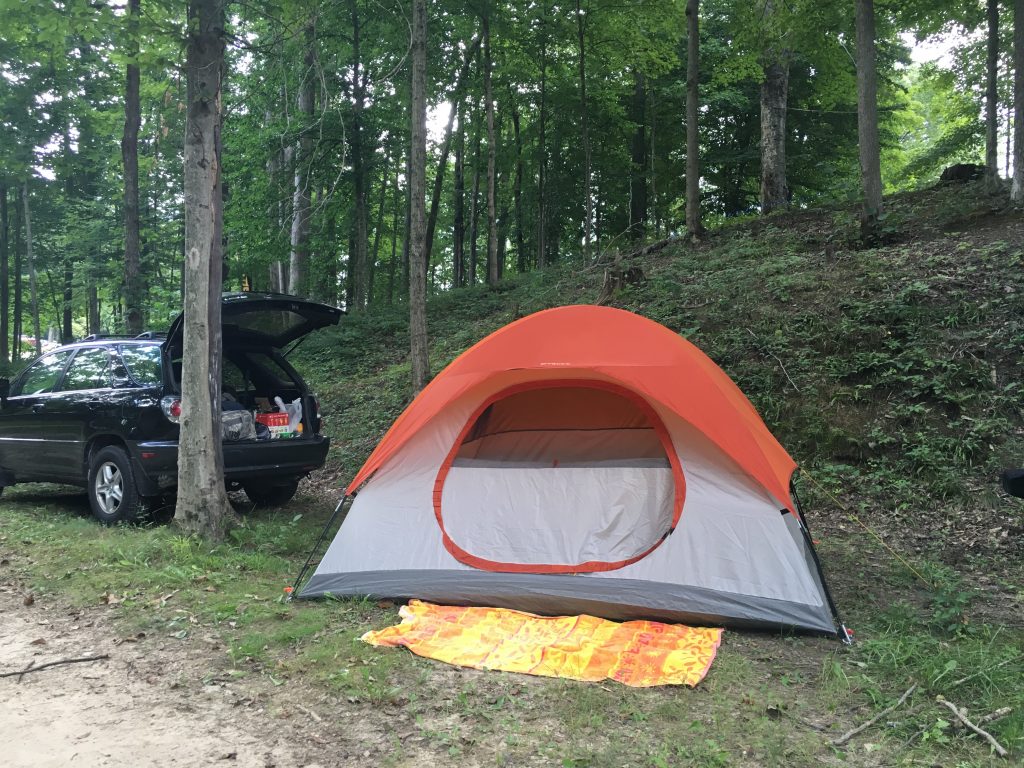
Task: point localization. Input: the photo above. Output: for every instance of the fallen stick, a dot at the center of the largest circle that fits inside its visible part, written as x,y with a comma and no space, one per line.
31,668
983,671
850,734
999,748
999,713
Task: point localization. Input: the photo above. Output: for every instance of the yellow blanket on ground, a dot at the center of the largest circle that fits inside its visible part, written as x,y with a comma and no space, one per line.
636,653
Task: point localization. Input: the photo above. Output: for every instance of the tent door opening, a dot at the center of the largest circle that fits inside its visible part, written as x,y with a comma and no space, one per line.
563,477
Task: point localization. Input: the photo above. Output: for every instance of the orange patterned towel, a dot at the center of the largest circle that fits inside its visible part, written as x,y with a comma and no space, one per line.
636,653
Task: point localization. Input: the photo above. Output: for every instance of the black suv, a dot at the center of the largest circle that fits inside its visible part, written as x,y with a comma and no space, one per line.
103,412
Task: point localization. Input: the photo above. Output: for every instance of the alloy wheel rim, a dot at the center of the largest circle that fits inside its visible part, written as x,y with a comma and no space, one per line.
109,487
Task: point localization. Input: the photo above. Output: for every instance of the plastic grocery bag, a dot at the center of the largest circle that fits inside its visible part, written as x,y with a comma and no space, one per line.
294,411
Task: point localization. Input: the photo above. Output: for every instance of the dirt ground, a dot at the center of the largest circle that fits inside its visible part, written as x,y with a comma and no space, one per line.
145,705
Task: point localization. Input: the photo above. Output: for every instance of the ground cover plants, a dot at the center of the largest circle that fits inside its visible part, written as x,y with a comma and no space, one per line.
892,375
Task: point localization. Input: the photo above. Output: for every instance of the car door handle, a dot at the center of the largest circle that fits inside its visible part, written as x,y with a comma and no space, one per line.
38,407
92,405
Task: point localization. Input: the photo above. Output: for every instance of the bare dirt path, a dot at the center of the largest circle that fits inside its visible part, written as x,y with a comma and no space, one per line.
131,709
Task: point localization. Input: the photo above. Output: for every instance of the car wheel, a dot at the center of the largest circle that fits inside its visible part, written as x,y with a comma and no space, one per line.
112,492
271,495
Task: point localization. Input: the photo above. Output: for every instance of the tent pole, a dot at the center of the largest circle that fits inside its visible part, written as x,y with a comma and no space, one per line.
847,636
316,547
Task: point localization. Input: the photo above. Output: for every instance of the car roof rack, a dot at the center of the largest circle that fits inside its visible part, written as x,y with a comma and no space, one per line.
143,335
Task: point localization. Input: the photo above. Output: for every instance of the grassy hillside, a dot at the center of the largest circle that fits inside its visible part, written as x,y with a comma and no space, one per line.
893,376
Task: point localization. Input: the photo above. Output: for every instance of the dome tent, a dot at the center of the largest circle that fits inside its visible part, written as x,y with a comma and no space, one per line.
582,459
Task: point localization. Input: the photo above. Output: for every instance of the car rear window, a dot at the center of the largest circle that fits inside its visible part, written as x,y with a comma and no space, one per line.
89,370
143,363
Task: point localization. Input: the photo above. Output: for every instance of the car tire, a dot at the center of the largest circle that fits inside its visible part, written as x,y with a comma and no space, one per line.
113,495
263,495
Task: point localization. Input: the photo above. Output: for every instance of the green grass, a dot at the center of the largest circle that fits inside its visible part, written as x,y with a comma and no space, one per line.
893,375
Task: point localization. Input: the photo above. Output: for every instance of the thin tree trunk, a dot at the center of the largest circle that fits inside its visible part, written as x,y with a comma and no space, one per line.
459,216
66,329
474,208
34,295
542,150
94,309
652,154
992,99
5,237
202,506
493,273
694,225
774,95
130,158
359,258
407,239
392,262
381,204
517,192
299,257
442,165
588,203
278,276
867,116
19,308
417,185
1017,188
638,171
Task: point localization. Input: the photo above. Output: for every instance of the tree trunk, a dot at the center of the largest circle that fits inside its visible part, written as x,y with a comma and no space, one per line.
130,158
542,150
93,318
459,216
992,99
1017,188
359,258
18,303
392,262
588,203
442,165
299,257
66,329
638,171
694,225
517,192
652,154
277,276
202,506
381,204
774,95
867,116
493,273
5,350
33,292
417,186
474,207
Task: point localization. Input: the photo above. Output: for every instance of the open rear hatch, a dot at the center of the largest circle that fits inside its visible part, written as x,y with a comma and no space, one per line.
271,319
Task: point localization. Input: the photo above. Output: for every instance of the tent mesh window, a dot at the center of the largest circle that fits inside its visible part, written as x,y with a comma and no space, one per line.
559,477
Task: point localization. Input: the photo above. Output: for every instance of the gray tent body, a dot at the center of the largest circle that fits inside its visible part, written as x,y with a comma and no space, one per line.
736,557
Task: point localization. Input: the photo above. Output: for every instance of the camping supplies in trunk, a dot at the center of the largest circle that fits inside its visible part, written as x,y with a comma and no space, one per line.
237,425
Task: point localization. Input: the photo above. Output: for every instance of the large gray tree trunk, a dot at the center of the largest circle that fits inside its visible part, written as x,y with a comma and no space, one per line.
774,92
694,225
418,201
588,202
992,99
1017,189
867,116
298,265
493,272
202,506
359,258
130,158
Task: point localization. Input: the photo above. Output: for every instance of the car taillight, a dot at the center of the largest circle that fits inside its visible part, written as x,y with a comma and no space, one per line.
171,406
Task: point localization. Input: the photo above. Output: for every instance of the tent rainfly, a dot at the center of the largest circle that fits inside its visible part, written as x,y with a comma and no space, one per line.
582,460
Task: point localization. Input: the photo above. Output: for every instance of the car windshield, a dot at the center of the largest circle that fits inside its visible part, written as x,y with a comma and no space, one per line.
143,363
